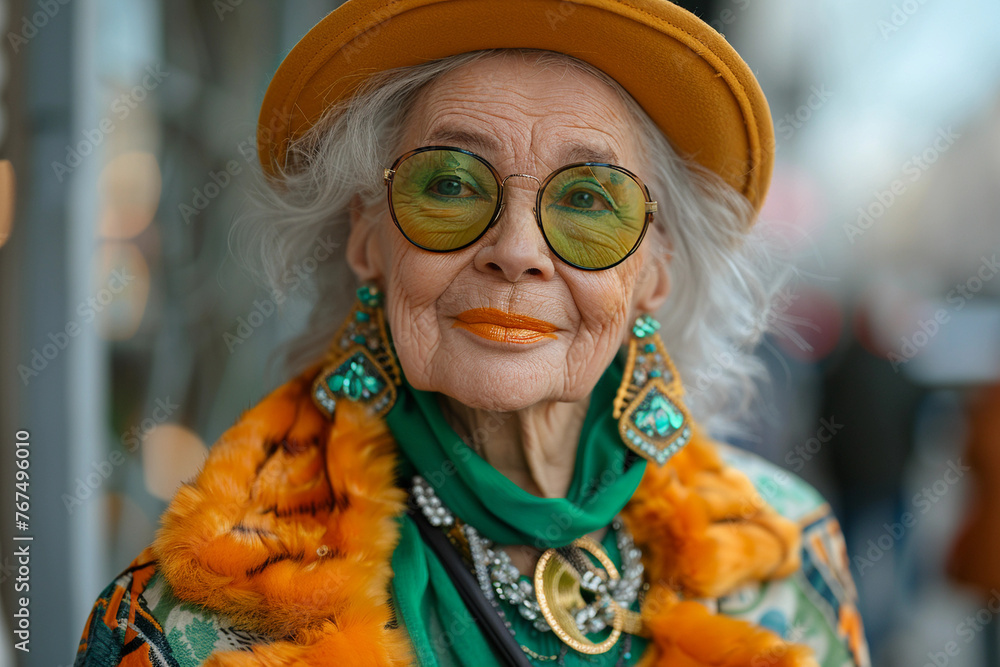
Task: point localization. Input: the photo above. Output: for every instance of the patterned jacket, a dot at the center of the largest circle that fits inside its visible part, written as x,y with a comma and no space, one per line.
278,554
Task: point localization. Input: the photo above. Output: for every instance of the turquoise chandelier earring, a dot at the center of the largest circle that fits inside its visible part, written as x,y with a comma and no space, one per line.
360,365
652,420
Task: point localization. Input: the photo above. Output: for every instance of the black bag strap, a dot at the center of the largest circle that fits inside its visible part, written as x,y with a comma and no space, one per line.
497,634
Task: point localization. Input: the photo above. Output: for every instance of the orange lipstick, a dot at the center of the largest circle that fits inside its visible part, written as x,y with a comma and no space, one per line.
504,327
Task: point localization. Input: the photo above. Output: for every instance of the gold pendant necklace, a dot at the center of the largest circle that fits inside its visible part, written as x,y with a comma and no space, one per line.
554,600
558,591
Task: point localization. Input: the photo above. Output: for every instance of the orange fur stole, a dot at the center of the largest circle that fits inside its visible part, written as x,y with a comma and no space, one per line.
289,528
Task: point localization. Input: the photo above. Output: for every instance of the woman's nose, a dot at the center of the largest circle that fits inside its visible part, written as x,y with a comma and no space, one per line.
514,247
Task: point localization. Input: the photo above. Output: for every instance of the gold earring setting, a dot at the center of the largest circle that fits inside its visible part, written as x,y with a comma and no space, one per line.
652,419
361,364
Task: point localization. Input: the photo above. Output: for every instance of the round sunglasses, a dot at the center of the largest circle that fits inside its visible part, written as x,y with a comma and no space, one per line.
592,215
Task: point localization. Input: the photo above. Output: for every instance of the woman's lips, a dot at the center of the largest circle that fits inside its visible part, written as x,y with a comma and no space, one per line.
497,325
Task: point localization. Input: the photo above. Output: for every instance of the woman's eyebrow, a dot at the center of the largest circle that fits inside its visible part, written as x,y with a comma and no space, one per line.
585,153
482,143
474,141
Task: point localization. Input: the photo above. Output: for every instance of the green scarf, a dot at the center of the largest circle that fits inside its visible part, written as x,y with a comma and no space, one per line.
440,627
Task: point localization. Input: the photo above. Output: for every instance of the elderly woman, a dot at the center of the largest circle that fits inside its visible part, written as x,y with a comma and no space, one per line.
490,460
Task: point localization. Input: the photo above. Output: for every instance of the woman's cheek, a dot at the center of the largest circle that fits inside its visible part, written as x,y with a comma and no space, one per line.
607,302
415,335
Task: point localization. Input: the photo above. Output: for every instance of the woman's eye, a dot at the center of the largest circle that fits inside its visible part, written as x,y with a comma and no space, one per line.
450,187
585,200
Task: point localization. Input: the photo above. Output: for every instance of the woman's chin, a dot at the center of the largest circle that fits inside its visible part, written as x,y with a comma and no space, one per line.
506,386
497,386
492,403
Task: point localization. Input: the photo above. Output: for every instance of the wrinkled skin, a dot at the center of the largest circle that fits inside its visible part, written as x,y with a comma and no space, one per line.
530,399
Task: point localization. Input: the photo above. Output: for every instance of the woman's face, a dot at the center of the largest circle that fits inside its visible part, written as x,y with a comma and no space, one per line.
459,319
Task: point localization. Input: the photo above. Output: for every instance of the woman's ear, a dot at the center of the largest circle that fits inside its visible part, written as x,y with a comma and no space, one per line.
653,284
362,243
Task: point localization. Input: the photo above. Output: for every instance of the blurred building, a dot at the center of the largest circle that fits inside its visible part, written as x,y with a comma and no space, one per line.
132,336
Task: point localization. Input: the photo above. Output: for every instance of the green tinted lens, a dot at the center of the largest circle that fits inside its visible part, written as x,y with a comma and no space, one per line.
593,216
443,199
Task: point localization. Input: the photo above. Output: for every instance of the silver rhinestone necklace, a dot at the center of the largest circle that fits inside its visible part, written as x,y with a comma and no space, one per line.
500,580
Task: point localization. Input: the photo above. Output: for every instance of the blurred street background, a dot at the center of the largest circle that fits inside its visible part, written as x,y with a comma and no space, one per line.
131,337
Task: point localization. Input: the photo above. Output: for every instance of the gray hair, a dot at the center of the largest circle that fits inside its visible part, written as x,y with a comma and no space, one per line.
723,276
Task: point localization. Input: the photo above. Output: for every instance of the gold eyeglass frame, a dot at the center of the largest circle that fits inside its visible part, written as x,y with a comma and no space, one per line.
651,206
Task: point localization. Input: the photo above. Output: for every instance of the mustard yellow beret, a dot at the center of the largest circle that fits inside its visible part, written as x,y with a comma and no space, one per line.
681,71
